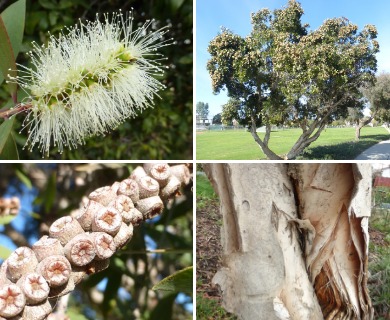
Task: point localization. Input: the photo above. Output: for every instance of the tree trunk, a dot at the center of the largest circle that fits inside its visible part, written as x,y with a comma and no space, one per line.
263,145
360,125
357,132
295,240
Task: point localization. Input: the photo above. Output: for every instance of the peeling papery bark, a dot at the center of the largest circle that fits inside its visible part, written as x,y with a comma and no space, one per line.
295,240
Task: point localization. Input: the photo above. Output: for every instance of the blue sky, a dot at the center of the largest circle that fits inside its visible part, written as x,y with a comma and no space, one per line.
235,15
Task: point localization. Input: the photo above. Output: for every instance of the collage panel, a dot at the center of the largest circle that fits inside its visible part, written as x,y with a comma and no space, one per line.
96,241
292,240
292,80
292,149
96,80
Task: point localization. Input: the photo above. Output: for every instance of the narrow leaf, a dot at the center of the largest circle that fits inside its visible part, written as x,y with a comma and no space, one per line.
50,192
164,308
10,151
23,178
14,18
11,35
6,219
4,252
5,132
180,281
7,58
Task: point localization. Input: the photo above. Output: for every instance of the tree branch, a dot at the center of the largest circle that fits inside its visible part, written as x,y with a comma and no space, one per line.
6,113
270,154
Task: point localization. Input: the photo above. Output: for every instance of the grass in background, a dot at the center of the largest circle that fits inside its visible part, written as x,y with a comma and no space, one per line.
333,143
379,265
208,305
204,191
210,309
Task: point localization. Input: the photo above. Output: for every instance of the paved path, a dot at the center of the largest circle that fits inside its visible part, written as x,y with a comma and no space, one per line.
380,151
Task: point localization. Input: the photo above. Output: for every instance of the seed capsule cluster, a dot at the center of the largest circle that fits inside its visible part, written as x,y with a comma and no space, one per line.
32,278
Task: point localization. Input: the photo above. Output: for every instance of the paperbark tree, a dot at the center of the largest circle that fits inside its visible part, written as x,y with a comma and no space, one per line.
283,73
295,240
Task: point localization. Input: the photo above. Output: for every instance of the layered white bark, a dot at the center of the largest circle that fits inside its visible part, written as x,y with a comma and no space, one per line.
288,229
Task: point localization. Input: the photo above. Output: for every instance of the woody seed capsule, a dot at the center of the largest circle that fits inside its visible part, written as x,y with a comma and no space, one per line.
64,229
55,269
129,187
107,220
12,300
159,172
150,207
46,246
148,187
34,287
103,195
80,250
21,261
86,215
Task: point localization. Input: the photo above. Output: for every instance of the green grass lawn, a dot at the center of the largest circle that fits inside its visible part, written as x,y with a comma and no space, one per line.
337,144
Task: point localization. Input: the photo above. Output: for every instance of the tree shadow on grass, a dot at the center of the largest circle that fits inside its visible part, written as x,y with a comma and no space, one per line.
342,151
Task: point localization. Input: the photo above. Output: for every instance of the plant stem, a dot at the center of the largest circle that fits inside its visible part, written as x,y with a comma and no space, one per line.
17,109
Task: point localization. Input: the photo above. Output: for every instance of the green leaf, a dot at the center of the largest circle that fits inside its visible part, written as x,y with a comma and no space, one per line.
50,192
11,36
176,4
6,219
10,151
5,132
74,314
110,293
47,4
7,59
180,281
164,308
23,178
4,252
14,18
187,59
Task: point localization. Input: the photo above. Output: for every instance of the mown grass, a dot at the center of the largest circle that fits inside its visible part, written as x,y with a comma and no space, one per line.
333,143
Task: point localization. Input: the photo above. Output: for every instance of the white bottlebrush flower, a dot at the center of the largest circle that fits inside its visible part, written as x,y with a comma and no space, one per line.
90,80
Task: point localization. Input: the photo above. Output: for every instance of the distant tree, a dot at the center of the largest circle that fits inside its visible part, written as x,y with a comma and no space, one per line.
356,117
282,73
217,119
202,110
233,109
378,96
